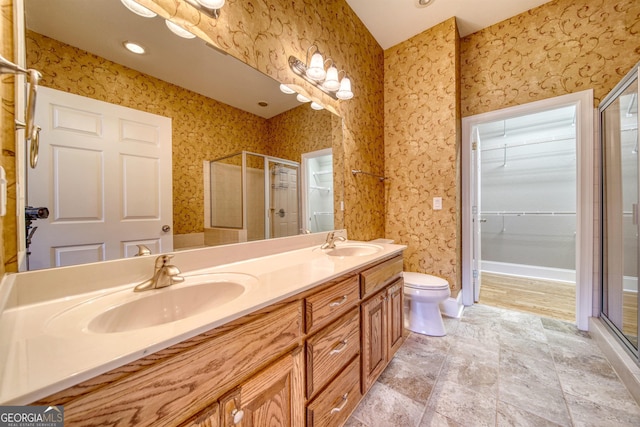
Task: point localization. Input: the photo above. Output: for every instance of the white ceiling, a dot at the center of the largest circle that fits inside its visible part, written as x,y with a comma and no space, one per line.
394,21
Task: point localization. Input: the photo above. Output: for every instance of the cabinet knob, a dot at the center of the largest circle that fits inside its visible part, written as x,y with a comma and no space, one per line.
237,415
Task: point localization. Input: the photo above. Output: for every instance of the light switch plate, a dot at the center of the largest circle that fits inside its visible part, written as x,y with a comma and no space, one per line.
437,203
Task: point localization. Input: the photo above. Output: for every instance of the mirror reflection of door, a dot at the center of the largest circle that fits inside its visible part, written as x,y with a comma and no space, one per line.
284,216
105,175
317,193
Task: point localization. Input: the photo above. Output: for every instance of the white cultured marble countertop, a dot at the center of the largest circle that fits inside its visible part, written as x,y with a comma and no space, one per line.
42,352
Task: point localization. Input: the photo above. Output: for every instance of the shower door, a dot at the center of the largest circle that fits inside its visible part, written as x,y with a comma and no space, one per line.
619,129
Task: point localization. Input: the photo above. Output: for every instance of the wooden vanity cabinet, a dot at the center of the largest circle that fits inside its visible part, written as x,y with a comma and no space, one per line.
382,318
307,360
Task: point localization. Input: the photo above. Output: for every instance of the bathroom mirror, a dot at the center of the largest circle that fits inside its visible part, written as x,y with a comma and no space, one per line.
217,103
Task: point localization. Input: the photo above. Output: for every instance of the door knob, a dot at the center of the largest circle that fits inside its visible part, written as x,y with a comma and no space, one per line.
281,213
166,228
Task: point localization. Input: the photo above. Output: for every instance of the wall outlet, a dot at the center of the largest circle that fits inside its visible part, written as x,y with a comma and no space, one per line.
437,203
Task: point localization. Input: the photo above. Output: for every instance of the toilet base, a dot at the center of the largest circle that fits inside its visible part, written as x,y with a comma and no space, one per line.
424,318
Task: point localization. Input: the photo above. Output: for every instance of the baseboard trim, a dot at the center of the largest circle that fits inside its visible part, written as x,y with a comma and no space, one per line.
624,365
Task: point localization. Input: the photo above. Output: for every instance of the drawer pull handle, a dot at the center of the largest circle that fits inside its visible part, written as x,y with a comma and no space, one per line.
338,301
341,407
339,347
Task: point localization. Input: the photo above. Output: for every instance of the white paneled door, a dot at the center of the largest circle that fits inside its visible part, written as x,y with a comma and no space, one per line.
104,173
284,200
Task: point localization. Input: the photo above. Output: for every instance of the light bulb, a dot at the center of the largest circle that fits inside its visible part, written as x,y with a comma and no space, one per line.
211,4
316,106
286,89
302,98
316,67
138,9
179,31
134,47
344,92
331,82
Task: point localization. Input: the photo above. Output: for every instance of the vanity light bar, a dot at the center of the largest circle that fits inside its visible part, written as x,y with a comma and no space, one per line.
300,69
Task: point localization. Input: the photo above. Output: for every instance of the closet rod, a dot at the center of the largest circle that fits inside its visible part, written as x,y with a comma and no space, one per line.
526,213
527,144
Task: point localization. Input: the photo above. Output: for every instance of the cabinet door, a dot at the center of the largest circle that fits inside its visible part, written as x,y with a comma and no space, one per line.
395,318
273,397
208,418
374,338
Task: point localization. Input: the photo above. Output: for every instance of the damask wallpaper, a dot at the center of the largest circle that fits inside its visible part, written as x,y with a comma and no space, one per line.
8,246
421,126
561,47
264,34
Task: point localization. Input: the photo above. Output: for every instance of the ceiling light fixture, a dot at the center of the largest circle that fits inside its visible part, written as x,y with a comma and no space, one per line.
138,9
327,80
423,3
134,47
316,106
286,89
302,98
209,7
179,31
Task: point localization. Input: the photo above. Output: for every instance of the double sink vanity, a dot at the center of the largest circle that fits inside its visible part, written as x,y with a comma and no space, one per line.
277,332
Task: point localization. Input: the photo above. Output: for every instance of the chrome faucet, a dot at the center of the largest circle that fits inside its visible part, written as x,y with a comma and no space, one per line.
330,243
164,275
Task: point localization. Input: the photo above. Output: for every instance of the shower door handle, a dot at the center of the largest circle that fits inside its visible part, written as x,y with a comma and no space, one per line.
634,213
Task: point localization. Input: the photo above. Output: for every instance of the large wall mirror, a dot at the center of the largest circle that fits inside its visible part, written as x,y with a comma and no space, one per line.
216,106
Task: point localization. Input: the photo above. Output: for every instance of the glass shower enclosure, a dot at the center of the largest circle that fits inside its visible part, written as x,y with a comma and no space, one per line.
620,195
253,197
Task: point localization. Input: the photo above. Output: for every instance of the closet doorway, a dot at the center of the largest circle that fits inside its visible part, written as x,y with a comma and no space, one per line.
527,200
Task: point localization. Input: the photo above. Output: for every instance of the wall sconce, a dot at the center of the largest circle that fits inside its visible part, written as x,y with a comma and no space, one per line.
327,80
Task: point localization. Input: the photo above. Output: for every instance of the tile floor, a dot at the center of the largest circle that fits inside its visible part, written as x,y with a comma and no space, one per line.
498,367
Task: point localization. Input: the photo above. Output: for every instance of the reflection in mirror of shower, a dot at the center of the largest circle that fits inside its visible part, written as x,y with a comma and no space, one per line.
320,194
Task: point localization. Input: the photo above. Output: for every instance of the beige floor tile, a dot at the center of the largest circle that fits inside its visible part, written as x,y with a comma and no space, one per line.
589,414
510,416
385,407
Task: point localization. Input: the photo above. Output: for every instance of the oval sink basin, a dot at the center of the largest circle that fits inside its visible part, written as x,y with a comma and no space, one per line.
125,310
164,306
354,249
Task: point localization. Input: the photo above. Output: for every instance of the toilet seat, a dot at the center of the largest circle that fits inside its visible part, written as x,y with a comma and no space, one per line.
424,281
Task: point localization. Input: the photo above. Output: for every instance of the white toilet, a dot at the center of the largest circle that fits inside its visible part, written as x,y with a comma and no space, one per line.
422,295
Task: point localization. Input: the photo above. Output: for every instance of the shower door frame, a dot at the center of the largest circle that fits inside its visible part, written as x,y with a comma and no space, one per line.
619,89
583,101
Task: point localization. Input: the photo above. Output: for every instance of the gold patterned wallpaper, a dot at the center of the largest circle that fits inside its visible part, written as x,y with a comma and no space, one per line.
202,128
561,47
8,243
421,123
264,34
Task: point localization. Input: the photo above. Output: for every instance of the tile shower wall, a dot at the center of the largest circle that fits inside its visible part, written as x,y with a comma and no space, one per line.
422,119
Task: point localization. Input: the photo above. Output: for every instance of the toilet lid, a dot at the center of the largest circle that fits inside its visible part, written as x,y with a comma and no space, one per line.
419,280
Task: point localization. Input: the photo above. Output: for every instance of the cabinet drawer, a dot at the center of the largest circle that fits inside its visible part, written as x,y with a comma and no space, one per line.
381,275
331,349
326,305
333,406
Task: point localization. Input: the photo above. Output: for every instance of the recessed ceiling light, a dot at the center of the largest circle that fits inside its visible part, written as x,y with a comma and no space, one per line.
263,103
179,31
423,3
134,47
138,9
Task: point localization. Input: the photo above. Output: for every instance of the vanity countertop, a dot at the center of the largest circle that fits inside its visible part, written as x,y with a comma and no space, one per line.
41,355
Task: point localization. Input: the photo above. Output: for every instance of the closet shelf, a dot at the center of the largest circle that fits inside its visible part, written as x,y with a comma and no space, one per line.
527,213
315,187
322,213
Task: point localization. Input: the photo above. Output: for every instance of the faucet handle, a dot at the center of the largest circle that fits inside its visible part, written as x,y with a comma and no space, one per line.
143,250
